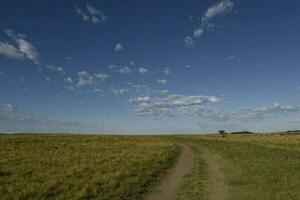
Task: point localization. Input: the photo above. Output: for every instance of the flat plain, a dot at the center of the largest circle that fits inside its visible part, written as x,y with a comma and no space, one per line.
61,166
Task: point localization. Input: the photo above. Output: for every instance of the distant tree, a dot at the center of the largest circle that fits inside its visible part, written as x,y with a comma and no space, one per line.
222,132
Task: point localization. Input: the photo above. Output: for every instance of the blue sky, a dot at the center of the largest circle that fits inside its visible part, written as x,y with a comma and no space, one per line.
137,66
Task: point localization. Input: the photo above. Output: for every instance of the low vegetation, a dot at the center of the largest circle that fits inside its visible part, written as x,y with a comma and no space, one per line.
252,166
82,167
260,166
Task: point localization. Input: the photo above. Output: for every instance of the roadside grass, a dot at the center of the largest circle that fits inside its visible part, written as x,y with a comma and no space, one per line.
195,185
82,167
257,166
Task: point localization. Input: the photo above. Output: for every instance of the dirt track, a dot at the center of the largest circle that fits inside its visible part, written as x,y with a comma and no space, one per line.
168,189
216,182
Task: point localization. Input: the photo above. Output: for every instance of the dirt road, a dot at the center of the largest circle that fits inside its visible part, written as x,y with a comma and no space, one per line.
168,188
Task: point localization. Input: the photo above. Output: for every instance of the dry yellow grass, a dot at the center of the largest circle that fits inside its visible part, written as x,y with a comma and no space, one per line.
81,167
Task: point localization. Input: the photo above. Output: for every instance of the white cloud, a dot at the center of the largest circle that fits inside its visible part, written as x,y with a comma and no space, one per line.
230,57
171,105
121,91
167,71
24,50
139,88
165,92
189,41
6,107
68,80
161,81
119,47
125,70
13,119
98,90
221,8
10,51
68,58
84,79
245,114
264,112
198,32
55,68
101,76
93,11
29,50
84,16
92,14
142,70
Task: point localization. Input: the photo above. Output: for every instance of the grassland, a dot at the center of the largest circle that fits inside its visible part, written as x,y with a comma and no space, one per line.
82,167
260,166
235,167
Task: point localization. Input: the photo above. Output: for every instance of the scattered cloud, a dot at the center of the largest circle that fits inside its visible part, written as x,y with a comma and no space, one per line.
198,32
6,107
230,58
265,112
142,70
98,90
221,8
55,68
84,79
167,71
10,51
139,88
24,49
92,14
165,92
119,47
205,107
68,58
245,114
68,80
169,106
189,41
120,92
161,81
101,76
125,70
13,119
121,70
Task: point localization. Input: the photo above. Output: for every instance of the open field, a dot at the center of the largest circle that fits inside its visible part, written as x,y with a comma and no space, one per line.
81,167
255,166
260,166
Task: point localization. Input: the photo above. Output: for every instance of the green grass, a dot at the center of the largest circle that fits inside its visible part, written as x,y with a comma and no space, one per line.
257,166
194,186
82,167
